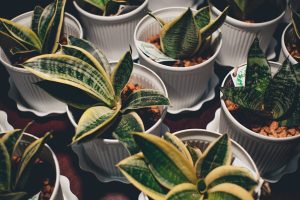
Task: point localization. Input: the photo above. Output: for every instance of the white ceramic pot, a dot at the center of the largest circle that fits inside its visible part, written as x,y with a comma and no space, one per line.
48,156
238,36
269,153
35,97
288,11
159,4
202,138
185,85
106,153
284,54
112,34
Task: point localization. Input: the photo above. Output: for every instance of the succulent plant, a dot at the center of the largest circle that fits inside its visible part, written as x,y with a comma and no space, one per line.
186,35
271,97
20,42
110,7
78,76
15,177
168,169
295,35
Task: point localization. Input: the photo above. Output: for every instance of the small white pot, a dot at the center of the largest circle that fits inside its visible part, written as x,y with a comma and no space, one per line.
159,4
46,155
106,153
35,97
269,153
202,138
185,85
112,34
238,36
284,54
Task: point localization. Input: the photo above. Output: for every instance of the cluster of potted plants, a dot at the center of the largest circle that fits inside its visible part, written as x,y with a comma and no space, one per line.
117,106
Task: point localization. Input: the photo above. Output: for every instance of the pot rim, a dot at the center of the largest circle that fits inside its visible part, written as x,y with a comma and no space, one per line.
244,25
163,114
111,18
283,46
170,68
29,14
242,127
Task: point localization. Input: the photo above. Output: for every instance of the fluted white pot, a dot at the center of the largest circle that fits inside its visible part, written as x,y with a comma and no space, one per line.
112,34
268,153
284,54
159,4
35,97
238,36
106,153
186,85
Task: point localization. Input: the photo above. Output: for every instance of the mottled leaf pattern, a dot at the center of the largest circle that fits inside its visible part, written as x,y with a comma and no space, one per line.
186,191
228,191
5,169
45,21
202,17
37,12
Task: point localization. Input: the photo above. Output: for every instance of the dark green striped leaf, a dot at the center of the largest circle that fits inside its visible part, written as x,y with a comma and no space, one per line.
17,54
129,123
97,53
121,73
135,169
8,42
166,162
195,153
37,13
145,98
13,196
228,191
70,95
11,140
45,21
258,71
186,191
296,22
202,17
180,37
215,155
282,89
5,169
27,161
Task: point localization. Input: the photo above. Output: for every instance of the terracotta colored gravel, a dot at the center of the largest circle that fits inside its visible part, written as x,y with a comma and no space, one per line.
294,51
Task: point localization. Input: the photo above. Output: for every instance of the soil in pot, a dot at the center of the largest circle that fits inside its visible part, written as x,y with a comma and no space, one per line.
195,60
292,43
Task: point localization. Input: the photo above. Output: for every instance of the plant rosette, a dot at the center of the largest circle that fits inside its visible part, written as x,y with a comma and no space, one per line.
106,153
238,35
159,4
185,85
24,81
112,34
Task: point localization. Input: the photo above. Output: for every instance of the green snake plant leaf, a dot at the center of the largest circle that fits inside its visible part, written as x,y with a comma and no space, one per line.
296,22
121,73
45,21
145,98
282,89
19,54
21,33
70,95
97,3
186,191
244,7
258,71
214,25
158,19
93,122
8,43
13,196
37,13
245,97
27,161
179,145
215,155
11,140
180,38
60,68
88,46
228,191
202,17
54,29
129,123
195,153
231,174
136,170
166,162
5,170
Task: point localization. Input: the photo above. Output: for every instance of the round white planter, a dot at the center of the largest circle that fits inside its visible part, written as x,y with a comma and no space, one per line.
159,4
46,155
202,138
106,153
35,97
185,85
112,34
284,54
268,153
238,36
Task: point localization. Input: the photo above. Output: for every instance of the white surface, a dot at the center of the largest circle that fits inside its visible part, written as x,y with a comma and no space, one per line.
66,190
4,125
284,52
158,4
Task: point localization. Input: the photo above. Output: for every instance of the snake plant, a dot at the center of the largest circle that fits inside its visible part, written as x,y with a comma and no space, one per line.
270,97
109,7
77,76
15,177
186,35
167,169
20,42
295,35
